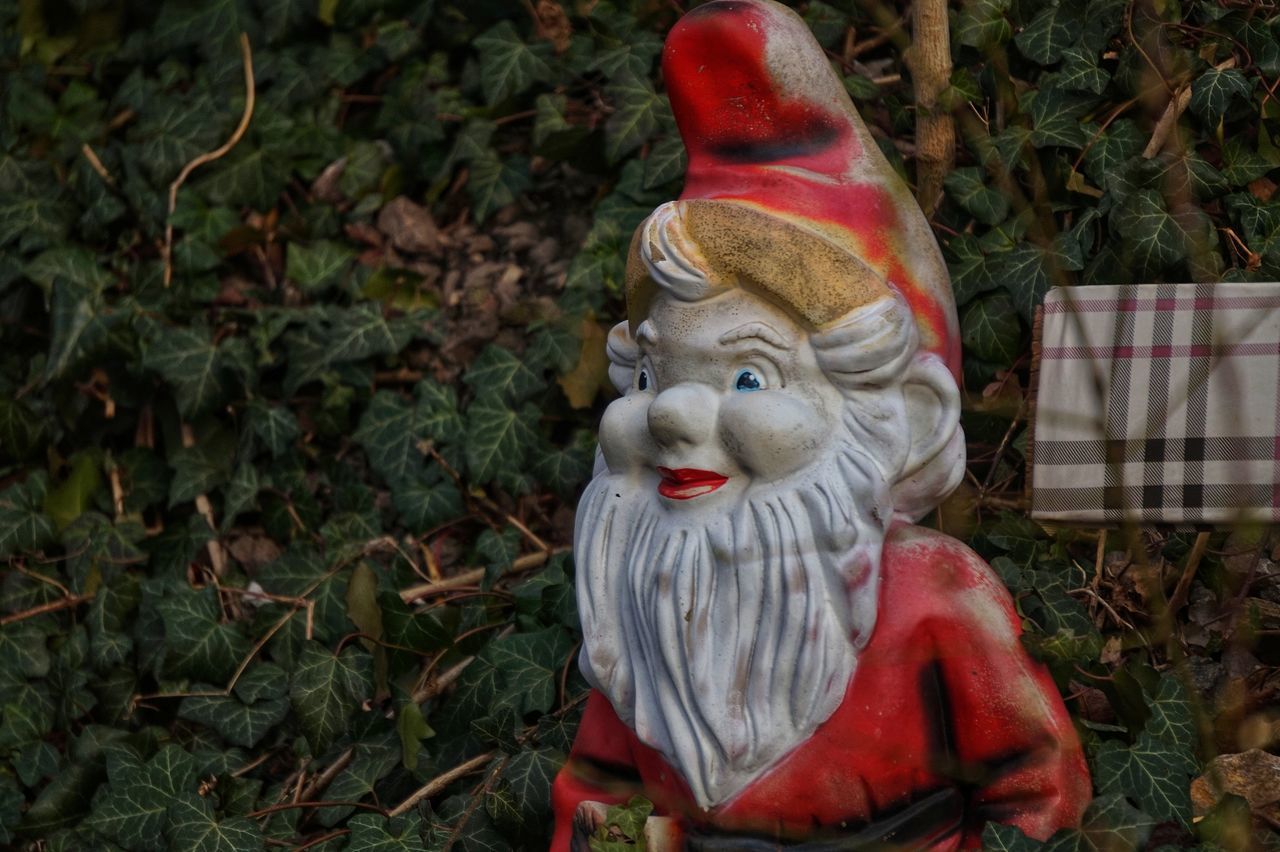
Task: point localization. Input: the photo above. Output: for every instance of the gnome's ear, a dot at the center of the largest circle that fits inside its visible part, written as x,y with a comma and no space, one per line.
623,354
935,460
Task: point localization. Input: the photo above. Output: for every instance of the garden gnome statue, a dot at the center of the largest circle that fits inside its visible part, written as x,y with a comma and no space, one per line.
779,657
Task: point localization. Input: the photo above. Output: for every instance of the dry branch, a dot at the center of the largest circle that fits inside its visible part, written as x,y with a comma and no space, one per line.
247,55
1176,107
435,785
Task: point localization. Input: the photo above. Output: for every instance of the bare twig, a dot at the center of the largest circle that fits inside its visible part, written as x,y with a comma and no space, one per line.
217,555
473,576
321,781
92,157
1183,589
288,806
435,785
52,606
210,156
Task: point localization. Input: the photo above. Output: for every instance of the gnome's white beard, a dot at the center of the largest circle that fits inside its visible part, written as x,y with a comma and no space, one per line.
724,638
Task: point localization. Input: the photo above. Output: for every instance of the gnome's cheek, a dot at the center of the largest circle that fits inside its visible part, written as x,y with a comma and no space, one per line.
772,434
624,433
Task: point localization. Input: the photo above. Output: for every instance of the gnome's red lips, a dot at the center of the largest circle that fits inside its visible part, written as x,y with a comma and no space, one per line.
686,482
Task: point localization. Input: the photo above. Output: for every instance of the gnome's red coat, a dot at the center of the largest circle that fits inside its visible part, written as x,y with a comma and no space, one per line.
944,697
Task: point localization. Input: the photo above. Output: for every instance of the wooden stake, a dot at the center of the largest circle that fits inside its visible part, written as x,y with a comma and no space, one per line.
930,64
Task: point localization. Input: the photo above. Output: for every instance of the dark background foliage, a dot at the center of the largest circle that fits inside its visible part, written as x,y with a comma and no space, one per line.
284,514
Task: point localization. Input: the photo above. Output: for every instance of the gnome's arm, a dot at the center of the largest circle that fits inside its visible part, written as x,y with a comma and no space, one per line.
600,768
1010,735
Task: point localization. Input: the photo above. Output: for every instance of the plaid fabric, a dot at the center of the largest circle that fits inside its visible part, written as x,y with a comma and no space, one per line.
1158,403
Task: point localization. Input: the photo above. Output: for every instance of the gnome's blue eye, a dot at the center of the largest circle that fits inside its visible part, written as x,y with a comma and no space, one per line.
748,381
642,383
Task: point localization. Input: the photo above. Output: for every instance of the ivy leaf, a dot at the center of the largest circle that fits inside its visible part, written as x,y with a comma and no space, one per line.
496,182
1080,72
239,719
1116,145
1055,120
1171,719
966,186
240,494
529,664
970,271
22,431
1213,90
982,24
326,690
500,438
198,645
200,468
508,66
24,527
212,24
34,222
373,833
424,503
249,176
1024,272
1050,33
1150,235
501,372
188,360
563,470
666,162
826,23
275,425
11,802
1241,164
73,497
77,324
389,435
990,330
497,551
527,779
437,411
557,347
1007,838
72,262
193,827
1154,772
372,761
1110,822
318,265
426,631
638,109
549,119
362,332
132,808
24,650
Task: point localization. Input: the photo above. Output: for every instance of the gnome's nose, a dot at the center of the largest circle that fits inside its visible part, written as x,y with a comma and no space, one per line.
682,414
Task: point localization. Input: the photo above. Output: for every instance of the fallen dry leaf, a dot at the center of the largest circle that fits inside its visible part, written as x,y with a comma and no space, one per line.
409,226
582,383
1253,775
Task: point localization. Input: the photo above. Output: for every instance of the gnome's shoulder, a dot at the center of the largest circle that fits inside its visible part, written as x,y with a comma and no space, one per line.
926,575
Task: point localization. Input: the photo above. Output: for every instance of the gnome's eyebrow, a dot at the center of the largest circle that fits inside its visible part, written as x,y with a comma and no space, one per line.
647,334
756,331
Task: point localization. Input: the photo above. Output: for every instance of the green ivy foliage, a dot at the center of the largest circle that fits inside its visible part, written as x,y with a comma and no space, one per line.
226,473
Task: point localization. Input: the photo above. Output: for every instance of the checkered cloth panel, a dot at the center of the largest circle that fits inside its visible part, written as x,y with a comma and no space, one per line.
1158,404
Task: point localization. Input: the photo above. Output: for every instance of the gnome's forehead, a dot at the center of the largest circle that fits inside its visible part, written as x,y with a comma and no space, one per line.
769,127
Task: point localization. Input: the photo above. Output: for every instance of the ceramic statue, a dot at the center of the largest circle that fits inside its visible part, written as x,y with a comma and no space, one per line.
778,654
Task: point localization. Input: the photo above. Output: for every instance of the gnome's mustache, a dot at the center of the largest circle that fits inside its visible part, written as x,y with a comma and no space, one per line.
725,641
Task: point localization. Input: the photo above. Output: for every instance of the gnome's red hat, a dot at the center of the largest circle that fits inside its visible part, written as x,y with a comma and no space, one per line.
786,190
